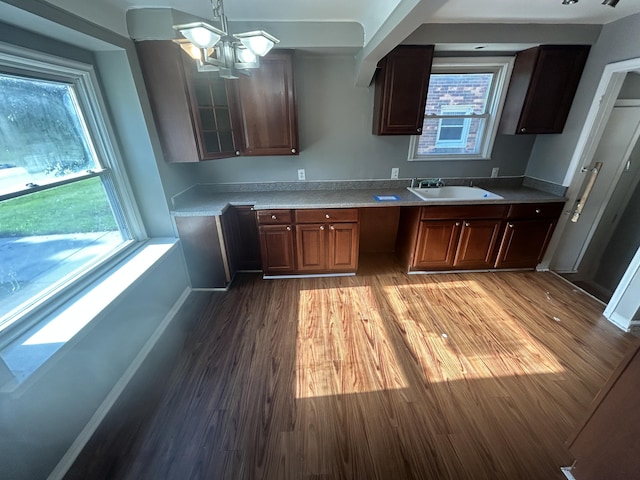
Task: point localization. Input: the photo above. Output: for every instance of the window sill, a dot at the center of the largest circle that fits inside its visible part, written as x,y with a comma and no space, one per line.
24,359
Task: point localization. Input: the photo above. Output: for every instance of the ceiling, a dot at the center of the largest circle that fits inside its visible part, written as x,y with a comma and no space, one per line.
369,29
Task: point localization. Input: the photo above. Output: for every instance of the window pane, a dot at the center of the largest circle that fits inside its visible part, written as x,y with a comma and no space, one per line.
441,139
470,90
48,235
41,132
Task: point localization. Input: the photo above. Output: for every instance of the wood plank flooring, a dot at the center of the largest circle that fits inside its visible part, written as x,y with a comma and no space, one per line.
379,376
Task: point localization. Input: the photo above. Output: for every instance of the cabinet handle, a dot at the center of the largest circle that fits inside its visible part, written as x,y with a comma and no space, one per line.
327,216
510,225
293,150
457,224
538,210
331,227
273,217
419,130
288,228
237,153
466,224
321,227
523,130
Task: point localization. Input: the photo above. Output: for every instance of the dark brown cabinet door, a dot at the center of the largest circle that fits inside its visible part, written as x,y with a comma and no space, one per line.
477,244
311,243
543,84
436,244
343,247
192,110
401,90
277,248
524,243
267,109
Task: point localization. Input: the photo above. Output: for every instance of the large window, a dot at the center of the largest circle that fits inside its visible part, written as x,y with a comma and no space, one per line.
64,205
463,103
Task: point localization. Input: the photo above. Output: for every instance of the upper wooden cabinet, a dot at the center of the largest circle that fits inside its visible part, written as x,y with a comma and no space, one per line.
267,107
543,84
401,90
201,116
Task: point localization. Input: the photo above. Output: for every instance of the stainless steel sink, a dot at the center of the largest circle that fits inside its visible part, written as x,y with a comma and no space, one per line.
454,193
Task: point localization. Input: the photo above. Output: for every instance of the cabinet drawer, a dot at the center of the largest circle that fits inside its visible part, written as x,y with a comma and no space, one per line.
535,210
325,215
462,211
273,217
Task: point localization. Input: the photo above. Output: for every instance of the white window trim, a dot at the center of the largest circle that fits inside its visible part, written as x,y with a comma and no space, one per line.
447,112
19,60
502,68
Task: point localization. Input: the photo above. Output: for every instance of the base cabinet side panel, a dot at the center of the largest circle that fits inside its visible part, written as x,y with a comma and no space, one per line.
202,251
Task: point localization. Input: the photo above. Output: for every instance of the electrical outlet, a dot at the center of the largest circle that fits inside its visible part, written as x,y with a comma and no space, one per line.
301,174
394,173
494,172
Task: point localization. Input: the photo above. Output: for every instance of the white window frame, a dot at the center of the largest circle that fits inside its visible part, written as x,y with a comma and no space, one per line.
448,112
501,67
21,61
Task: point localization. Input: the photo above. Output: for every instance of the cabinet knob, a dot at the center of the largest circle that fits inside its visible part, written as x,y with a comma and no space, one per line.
419,130
289,228
293,150
523,130
321,227
457,224
327,216
538,210
273,217
237,153
466,224
332,227
510,225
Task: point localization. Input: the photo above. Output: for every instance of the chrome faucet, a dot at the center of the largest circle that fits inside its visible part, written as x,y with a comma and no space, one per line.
431,183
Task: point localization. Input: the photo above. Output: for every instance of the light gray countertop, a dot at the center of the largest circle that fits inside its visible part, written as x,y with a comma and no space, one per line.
205,200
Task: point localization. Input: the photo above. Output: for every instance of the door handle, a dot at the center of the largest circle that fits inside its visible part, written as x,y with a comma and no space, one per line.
593,175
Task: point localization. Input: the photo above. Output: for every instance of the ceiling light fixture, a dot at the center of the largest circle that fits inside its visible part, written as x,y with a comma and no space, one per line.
217,50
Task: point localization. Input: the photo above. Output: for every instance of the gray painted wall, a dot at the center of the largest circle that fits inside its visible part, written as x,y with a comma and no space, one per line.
631,87
552,154
336,143
39,422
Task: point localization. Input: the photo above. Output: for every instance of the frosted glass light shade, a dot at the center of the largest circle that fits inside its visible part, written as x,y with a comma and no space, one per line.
245,55
201,34
192,50
259,42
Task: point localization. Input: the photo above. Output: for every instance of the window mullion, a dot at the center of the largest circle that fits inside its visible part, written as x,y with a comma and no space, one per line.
34,187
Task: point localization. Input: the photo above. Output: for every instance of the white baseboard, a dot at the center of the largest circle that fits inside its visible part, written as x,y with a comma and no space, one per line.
81,440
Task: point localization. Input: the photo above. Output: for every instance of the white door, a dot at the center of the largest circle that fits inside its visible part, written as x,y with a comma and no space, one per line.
614,150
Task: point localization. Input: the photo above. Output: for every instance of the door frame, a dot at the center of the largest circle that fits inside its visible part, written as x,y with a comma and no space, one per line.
620,309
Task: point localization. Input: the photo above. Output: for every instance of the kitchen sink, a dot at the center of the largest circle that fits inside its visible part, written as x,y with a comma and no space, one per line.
454,193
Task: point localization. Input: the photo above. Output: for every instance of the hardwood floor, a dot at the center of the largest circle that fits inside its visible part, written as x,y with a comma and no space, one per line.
378,376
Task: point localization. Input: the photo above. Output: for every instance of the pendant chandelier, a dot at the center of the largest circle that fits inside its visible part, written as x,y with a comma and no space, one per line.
214,49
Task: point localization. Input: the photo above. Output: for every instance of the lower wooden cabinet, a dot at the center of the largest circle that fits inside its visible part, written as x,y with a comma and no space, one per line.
277,249
477,244
327,248
475,237
436,245
309,241
524,243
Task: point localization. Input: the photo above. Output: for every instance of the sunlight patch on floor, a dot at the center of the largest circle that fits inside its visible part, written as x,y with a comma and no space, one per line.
338,355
